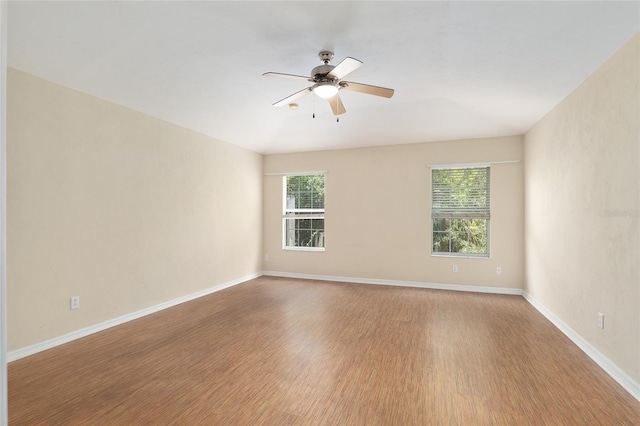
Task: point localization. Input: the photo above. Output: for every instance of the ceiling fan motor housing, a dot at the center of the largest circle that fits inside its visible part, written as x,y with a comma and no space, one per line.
320,72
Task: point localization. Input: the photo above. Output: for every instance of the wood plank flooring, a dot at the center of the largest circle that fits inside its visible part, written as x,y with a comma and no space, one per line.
281,351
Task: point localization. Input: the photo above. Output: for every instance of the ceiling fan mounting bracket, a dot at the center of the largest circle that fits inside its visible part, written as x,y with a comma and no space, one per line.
325,56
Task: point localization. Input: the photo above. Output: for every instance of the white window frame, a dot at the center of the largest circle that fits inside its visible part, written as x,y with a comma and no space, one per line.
289,214
486,255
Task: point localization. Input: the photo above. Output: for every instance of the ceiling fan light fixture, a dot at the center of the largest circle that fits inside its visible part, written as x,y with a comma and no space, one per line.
327,82
326,90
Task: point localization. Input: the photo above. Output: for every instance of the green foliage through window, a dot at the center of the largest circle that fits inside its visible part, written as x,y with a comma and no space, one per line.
460,236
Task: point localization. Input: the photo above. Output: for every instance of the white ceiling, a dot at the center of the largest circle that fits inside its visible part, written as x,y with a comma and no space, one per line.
459,69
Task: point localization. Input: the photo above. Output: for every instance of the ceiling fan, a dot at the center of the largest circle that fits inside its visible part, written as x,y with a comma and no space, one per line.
327,82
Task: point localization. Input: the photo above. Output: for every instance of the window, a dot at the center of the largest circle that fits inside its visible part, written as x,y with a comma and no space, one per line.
460,211
303,217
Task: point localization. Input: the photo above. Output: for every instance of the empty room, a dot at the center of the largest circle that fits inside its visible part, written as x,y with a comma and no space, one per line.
331,213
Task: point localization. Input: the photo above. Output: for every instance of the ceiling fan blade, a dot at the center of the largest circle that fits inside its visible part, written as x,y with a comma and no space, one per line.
282,75
345,67
336,105
293,97
367,88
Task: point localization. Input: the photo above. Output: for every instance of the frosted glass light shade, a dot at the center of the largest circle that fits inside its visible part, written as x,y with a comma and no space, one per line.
326,90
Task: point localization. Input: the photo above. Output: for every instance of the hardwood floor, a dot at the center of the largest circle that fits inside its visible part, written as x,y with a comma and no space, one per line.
282,351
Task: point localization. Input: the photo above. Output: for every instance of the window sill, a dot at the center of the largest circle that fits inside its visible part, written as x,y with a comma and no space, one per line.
303,248
461,255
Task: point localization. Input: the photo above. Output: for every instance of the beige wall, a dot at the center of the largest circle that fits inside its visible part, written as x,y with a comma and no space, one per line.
378,213
582,186
121,209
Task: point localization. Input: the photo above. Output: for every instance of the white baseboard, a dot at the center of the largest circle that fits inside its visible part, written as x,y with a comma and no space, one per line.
83,332
454,287
605,363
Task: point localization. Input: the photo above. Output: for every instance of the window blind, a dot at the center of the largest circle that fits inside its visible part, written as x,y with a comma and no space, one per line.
305,194
460,193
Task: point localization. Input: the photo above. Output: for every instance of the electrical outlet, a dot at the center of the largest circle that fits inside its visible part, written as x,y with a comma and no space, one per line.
498,270
75,302
266,257
601,320
455,268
